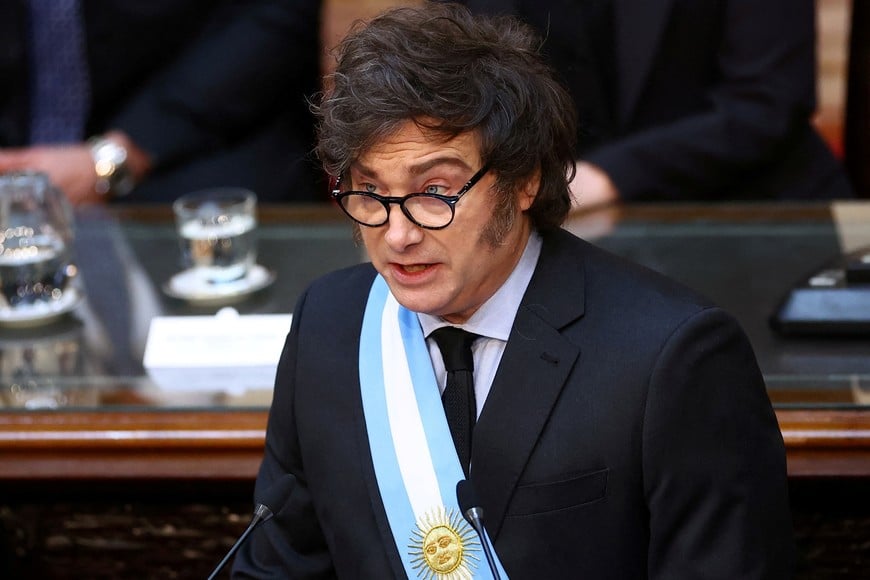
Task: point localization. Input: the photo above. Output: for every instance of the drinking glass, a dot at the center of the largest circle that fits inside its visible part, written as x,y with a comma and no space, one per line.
36,236
217,233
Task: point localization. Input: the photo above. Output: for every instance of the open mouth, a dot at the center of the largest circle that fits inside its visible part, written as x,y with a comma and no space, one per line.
413,268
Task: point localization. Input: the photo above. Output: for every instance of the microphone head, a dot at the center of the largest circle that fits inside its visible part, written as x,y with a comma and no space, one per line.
469,505
275,496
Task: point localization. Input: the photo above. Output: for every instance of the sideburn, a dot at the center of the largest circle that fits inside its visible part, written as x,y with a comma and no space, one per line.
503,218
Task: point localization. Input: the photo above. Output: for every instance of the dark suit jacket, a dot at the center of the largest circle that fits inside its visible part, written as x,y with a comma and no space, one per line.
713,98
214,90
627,435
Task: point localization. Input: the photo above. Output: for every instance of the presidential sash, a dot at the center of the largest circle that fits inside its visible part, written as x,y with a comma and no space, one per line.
413,454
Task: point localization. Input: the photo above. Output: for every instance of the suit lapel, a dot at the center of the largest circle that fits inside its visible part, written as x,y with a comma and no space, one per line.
533,370
639,25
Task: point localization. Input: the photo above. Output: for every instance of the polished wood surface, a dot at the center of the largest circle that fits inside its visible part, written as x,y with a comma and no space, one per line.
228,445
135,445
826,443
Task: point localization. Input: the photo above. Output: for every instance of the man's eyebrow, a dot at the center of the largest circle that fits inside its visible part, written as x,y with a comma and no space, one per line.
425,166
417,168
364,169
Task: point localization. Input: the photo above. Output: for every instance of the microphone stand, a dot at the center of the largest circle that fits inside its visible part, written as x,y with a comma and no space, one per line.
475,517
470,506
261,514
277,495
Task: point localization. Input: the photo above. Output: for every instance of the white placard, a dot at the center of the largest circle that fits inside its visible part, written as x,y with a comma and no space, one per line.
225,352
852,220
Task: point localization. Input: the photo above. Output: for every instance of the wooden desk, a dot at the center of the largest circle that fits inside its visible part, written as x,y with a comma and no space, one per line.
119,438
228,445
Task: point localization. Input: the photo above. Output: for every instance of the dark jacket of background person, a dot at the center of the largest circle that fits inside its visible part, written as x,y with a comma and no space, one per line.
215,91
713,98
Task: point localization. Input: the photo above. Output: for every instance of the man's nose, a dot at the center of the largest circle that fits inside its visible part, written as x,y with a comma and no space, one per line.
401,231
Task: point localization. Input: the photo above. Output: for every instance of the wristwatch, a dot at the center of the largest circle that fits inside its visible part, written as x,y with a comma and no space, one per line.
110,164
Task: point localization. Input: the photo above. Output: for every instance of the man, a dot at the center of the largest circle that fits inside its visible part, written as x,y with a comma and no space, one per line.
622,426
144,101
688,100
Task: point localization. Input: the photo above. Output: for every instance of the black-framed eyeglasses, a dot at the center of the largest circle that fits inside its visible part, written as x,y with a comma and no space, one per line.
432,211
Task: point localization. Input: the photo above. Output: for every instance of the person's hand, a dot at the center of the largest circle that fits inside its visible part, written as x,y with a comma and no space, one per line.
69,167
591,187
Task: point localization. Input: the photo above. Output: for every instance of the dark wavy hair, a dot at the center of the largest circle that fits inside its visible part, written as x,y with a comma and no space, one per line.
453,72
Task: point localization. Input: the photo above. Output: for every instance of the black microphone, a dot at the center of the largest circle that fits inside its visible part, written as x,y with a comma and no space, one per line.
272,500
470,507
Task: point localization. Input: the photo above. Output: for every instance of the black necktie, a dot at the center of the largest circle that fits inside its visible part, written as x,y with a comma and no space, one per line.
458,398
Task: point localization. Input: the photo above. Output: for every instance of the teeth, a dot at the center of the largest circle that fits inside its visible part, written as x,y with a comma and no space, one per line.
414,268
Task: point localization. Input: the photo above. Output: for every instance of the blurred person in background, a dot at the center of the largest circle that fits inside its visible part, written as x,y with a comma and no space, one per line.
688,99
143,100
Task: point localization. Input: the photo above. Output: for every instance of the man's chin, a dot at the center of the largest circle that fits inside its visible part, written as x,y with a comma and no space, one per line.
414,302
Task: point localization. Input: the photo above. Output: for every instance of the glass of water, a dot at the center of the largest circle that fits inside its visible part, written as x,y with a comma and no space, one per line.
217,233
36,235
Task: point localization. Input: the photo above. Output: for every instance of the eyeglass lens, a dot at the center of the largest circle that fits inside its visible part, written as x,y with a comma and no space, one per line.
426,211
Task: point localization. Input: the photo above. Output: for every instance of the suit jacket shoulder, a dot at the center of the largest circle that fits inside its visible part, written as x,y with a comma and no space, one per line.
626,409
572,271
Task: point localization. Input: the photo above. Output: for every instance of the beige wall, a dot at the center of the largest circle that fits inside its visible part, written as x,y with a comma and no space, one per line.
832,29
339,16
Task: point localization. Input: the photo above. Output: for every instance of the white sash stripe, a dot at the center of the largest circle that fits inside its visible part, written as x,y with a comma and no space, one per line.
409,438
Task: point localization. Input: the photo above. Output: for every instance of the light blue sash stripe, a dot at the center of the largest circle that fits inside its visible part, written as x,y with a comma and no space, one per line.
393,494
431,410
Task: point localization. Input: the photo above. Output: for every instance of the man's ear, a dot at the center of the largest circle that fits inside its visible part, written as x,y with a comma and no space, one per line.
529,190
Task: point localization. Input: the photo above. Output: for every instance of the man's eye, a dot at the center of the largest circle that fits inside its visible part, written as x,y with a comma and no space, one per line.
435,189
369,187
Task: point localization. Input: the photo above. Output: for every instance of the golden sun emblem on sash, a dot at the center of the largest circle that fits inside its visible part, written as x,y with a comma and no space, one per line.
444,546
